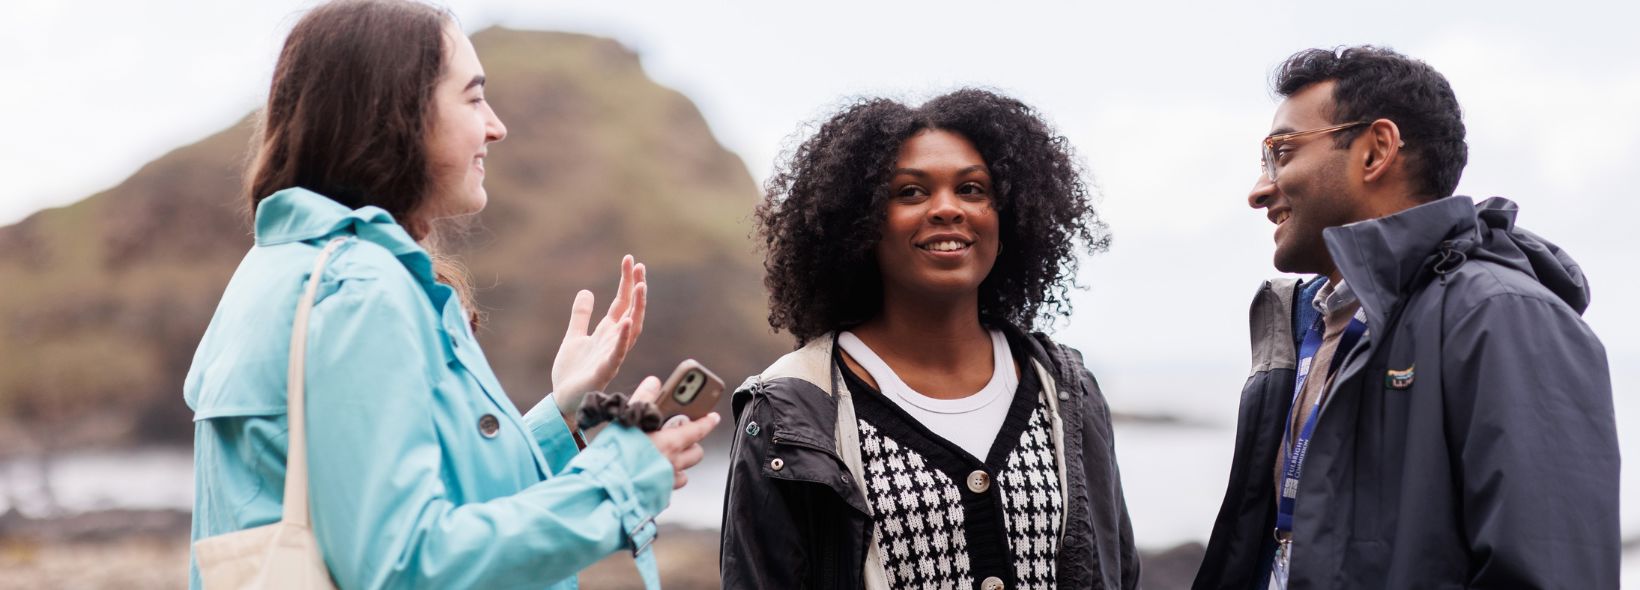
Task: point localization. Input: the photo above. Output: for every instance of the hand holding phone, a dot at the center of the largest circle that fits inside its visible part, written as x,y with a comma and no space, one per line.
691,391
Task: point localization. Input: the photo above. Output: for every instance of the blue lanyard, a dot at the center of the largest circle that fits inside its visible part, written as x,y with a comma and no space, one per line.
1294,459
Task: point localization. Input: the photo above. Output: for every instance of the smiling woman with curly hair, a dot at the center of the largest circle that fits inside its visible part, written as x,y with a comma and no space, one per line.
823,216
922,436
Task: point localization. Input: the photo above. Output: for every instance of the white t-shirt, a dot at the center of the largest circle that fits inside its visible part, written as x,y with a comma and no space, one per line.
971,422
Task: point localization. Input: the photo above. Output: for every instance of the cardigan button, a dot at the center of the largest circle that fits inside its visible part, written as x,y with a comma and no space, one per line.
489,426
992,583
777,464
978,482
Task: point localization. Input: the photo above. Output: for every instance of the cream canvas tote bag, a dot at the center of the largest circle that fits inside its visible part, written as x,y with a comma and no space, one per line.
284,554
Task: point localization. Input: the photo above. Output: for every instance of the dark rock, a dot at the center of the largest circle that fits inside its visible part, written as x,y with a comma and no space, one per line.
96,526
1172,569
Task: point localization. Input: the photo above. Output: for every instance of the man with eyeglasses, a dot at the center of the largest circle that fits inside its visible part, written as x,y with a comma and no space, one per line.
1430,410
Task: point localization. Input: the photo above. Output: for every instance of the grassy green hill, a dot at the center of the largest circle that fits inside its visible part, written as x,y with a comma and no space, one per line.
105,300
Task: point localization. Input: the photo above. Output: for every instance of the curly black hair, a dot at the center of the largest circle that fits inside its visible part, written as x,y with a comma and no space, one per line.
1378,83
824,208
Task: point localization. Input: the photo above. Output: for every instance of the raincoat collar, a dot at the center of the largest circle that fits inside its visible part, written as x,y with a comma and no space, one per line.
297,214
1381,257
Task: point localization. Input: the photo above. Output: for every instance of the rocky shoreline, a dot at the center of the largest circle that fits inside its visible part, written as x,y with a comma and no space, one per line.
130,549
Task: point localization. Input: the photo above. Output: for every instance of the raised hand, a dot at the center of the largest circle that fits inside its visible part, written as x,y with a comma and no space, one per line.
588,362
679,440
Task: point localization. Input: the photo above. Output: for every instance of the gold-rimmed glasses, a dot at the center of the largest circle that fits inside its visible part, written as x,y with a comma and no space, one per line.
1268,158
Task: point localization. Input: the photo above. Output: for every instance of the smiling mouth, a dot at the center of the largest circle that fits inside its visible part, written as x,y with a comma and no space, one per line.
1280,218
946,246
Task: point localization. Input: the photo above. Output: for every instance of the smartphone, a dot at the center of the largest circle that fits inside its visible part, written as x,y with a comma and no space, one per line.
691,391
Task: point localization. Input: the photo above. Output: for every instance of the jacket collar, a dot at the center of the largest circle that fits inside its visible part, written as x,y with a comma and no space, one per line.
800,389
813,364
1274,319
297,214
1062,372
1381,257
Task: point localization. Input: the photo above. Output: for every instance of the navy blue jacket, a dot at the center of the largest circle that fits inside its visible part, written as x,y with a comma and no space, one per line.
1468,440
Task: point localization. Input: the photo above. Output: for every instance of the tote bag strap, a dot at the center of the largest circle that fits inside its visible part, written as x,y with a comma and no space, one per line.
296,461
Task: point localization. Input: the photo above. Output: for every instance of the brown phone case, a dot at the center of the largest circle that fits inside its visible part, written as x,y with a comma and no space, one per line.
692,391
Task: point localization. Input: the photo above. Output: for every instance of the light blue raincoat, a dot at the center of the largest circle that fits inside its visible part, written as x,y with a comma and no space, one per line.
423,473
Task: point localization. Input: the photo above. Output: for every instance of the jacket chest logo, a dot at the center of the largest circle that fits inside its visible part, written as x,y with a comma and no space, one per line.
1401,379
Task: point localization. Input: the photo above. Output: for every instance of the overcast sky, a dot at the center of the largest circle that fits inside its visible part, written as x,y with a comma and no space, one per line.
1166,102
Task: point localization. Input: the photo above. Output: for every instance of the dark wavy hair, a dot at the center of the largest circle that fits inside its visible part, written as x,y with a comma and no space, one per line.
823,212
1378,83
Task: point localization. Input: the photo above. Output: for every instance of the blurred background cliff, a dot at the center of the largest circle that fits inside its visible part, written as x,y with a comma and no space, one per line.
107,298
115,243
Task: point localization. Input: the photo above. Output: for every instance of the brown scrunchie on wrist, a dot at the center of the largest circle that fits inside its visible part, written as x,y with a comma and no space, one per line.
600,406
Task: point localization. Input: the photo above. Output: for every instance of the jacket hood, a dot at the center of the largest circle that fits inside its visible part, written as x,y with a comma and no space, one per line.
297,214
1382,257
1517,248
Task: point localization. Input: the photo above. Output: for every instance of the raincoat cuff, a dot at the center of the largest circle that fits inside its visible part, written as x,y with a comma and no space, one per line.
558,442
636,476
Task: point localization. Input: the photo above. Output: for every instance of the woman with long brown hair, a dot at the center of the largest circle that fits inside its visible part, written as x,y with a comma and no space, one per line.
420,470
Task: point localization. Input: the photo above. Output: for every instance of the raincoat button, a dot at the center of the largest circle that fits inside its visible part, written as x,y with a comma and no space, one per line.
992,583
777,464
489,426
752,429
978,482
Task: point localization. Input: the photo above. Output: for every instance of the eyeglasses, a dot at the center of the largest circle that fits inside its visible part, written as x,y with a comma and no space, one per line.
1271,141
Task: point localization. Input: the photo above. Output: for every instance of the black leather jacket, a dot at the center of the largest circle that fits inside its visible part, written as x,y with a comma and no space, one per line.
795,516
